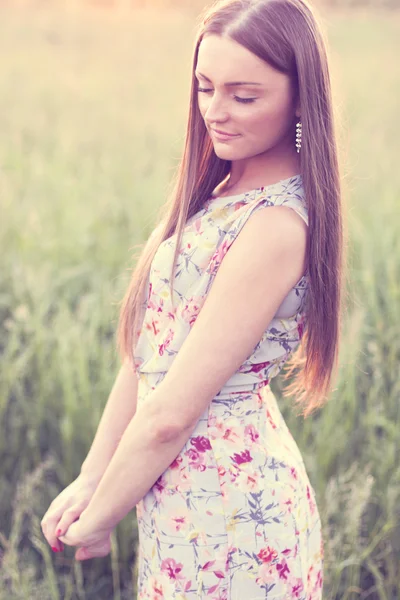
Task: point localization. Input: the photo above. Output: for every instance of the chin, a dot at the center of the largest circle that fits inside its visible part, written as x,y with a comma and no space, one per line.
222,150
227,154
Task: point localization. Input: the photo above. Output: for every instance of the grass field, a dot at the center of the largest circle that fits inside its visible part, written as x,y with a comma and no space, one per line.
92,115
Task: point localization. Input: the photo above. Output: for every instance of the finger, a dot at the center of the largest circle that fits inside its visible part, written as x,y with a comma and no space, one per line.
69,516
95,551
64,539
48,525
70,536
82,553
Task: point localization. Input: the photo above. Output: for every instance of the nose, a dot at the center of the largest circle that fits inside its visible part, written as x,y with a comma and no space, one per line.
216,111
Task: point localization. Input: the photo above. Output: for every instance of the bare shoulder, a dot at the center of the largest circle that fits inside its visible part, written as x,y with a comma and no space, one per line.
285,218
277,234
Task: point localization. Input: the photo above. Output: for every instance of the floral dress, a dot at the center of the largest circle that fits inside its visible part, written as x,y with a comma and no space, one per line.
234,516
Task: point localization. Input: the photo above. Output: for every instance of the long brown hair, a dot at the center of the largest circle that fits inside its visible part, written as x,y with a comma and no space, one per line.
284,33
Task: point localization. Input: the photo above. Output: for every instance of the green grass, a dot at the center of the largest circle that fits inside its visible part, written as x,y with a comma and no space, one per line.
92,116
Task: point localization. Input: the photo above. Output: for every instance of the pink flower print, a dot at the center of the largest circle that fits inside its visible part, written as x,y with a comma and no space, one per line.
152,326
196,459
171,315
283,569
221,595
267,554
155,303
191,309
248,481
201,443
256,368
310,576
310,500
233,472
227,430
214,566
319,579
172,568
175,463
222,557
231,434
286,501
180,480
251,432
217,257
296,587
293,472
225,491
192,454
270,420
266,574
159,488
150,292
241,458
166,343
160,587
221,470
178,520
197,225
139,510
219,574
207,566
216,427
238,205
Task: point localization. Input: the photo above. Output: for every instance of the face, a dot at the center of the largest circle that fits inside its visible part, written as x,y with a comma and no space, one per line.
259,109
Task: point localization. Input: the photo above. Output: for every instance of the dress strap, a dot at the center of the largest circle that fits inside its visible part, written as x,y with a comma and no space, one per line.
297,203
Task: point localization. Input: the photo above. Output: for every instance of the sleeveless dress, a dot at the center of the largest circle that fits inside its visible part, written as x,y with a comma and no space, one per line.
234,516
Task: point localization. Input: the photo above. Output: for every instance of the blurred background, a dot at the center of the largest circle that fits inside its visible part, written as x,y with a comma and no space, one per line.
93,106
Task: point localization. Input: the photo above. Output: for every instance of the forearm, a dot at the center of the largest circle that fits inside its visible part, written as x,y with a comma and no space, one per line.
142,456
118,412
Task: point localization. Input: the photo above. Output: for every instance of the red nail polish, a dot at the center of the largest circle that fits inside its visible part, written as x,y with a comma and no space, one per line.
54,549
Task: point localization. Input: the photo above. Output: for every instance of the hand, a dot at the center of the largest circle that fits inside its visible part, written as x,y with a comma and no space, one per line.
91,543
66,508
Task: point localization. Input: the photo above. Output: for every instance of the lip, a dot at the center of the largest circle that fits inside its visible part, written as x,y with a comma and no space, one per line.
223,133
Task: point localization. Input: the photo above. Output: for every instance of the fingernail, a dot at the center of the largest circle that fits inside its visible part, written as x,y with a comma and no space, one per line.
58,531
55,549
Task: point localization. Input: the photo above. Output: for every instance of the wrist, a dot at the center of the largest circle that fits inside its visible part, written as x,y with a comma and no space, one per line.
92,520
89,477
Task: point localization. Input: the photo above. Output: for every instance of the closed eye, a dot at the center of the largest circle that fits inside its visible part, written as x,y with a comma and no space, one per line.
237,98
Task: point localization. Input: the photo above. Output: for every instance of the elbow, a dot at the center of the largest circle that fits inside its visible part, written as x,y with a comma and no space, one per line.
167,423
168,433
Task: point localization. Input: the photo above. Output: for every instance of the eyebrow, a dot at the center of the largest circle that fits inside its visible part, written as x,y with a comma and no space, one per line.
230,83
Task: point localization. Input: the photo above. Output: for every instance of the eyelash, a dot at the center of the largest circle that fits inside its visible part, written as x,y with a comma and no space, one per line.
242,100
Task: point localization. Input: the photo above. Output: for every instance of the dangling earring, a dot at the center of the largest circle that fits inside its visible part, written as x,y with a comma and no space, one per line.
298,136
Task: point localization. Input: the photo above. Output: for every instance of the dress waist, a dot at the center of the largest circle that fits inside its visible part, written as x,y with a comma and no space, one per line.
151,380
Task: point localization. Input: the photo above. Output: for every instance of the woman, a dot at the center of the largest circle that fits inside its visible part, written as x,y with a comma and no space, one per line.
224,505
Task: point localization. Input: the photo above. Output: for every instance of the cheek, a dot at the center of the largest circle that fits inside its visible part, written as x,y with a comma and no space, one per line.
203,102
266,124
256,119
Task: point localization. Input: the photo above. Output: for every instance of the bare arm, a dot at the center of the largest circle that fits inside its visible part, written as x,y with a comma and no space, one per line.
118,412
256,274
